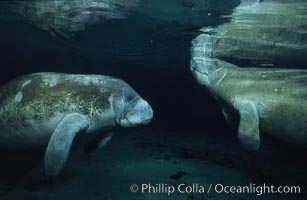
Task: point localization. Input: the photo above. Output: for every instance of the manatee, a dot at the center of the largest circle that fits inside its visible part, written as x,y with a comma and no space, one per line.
52,108
63,17
266,100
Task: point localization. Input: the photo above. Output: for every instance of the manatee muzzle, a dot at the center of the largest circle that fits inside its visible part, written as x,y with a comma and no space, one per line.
139,113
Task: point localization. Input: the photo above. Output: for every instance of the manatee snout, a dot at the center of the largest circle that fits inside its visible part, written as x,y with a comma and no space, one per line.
139,112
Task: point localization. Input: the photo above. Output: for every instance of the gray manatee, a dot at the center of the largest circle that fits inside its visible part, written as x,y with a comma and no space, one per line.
66,16
269,100
52,108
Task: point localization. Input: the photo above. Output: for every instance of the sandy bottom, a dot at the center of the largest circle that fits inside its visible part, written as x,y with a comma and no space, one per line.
160,158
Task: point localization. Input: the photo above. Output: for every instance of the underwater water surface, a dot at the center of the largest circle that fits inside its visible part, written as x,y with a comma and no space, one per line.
148,44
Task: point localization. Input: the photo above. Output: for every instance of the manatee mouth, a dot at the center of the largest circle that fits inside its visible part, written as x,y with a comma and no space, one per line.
200,76
144,119
138,112
126,122
196,70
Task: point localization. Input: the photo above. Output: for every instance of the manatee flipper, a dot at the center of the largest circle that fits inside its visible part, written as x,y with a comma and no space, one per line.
98,142
60,142
248,131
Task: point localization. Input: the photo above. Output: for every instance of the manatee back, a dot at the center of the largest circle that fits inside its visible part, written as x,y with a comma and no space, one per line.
37,102
279,94
261,84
